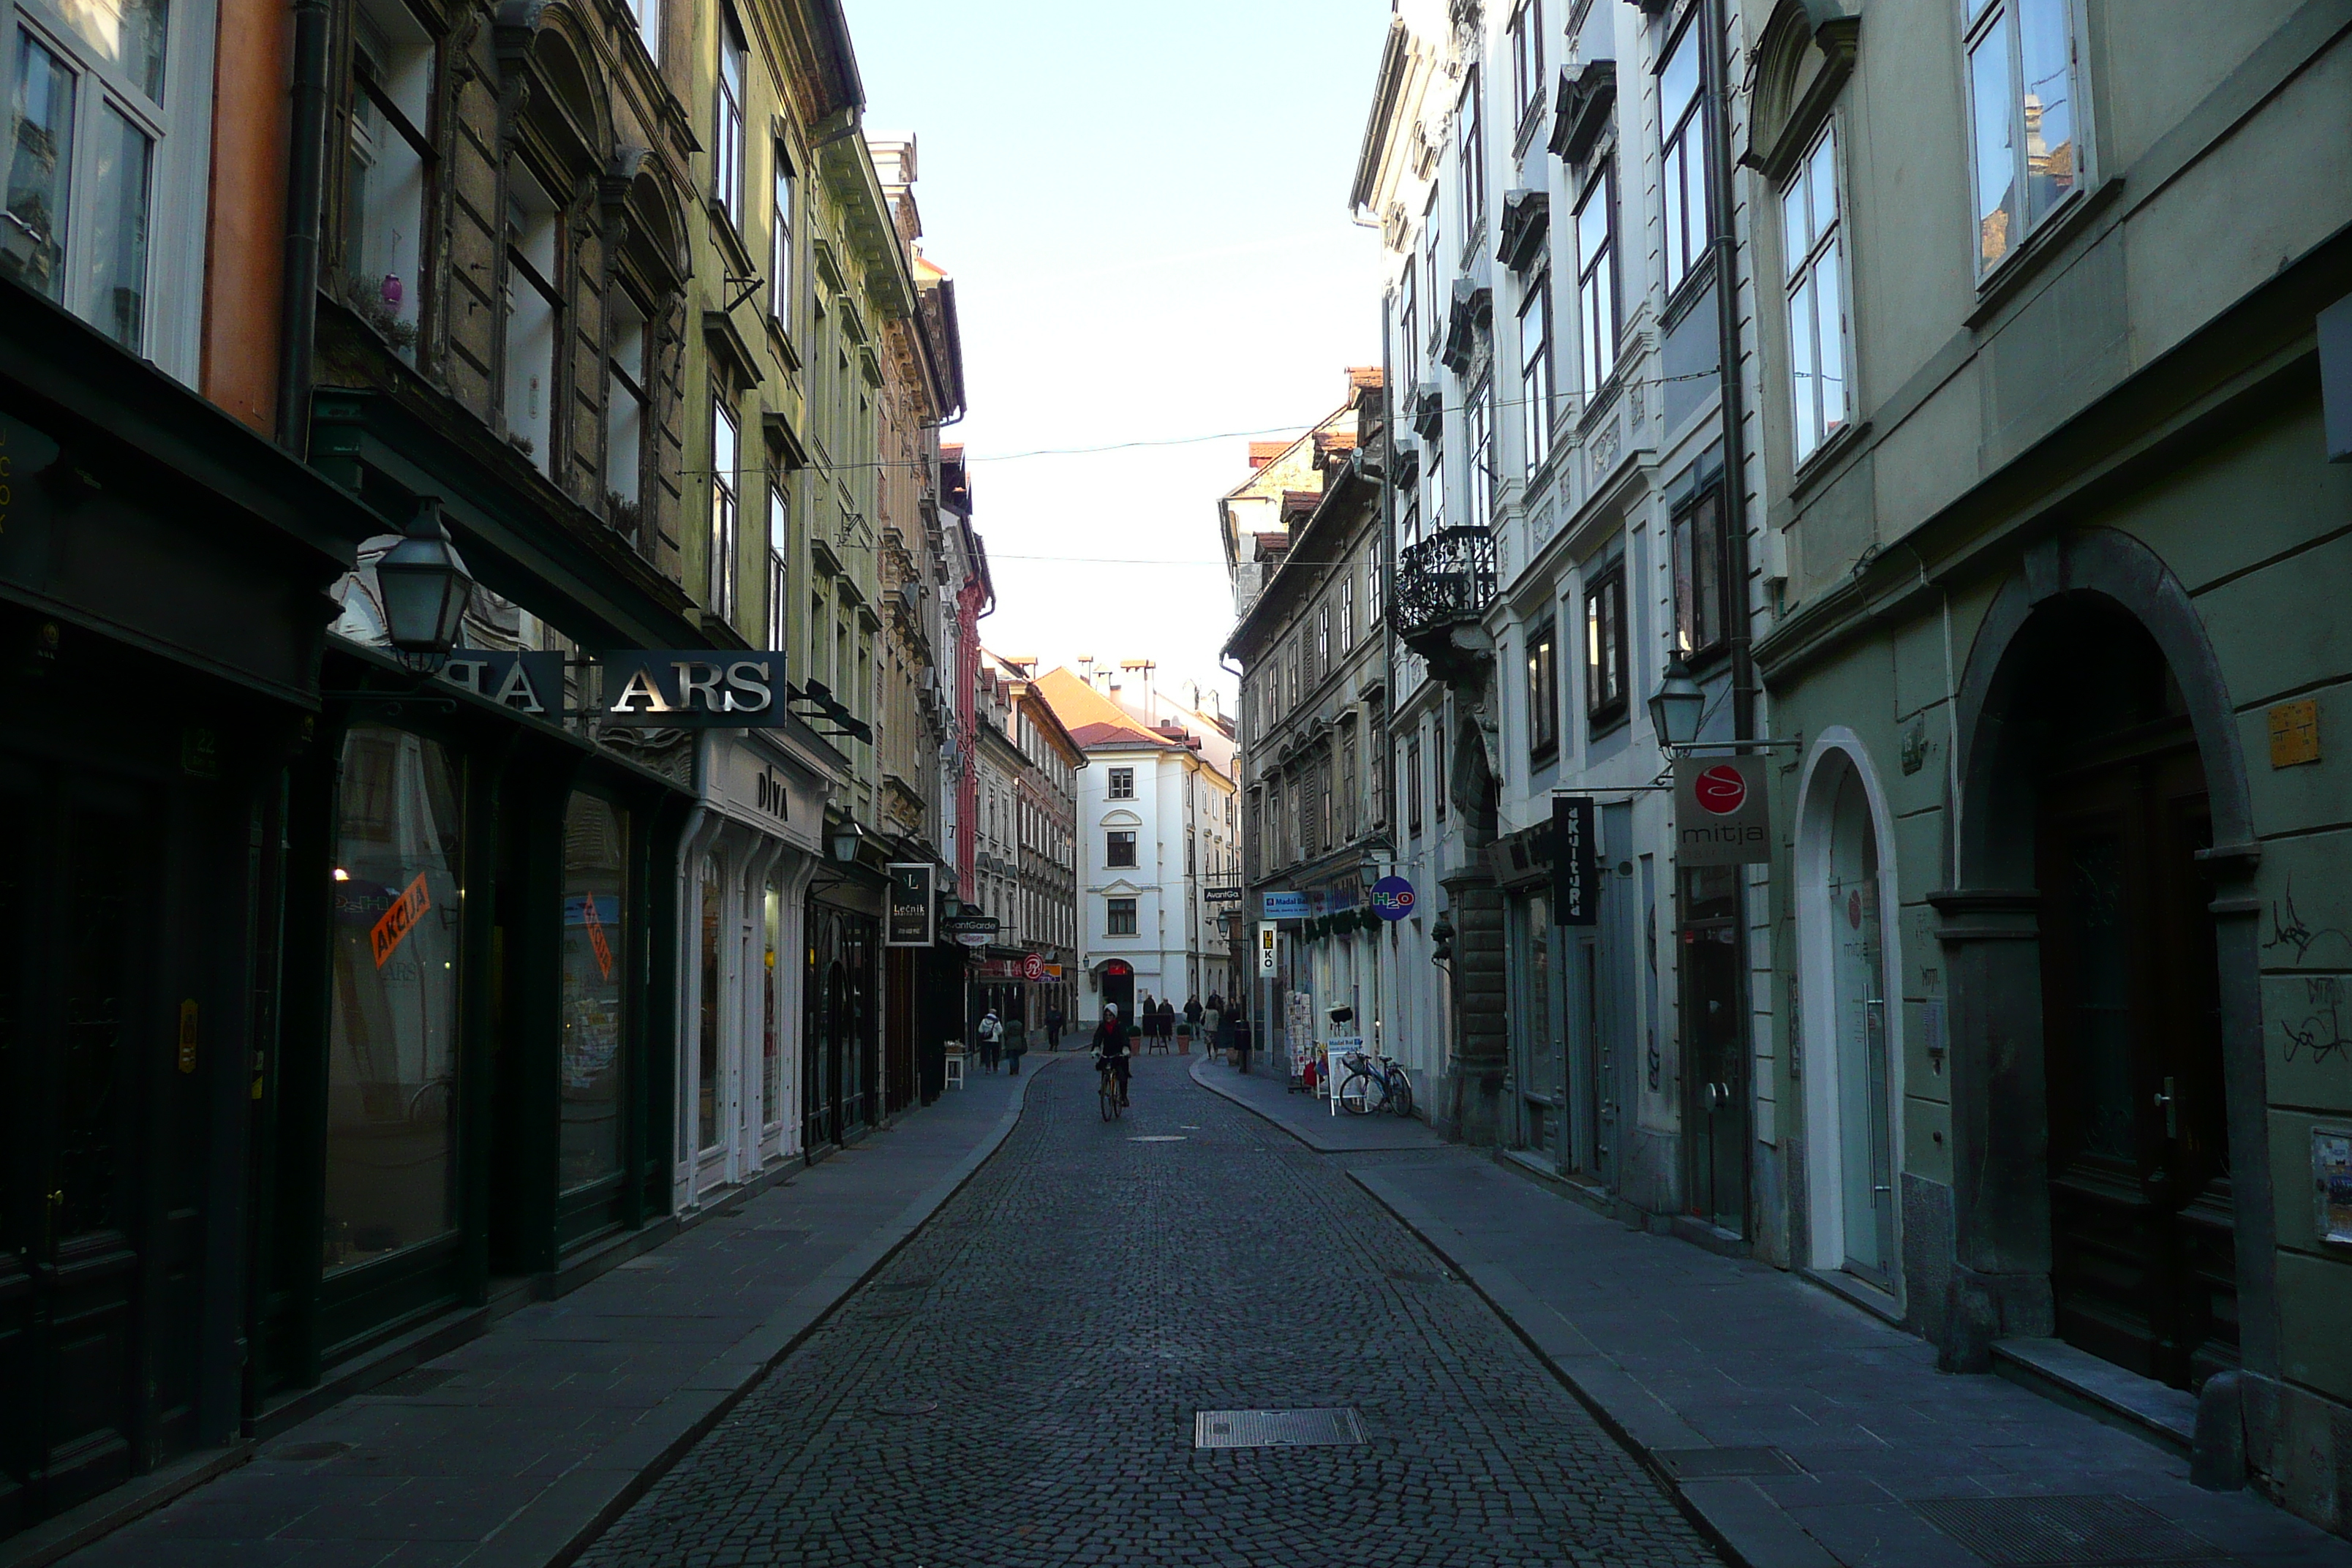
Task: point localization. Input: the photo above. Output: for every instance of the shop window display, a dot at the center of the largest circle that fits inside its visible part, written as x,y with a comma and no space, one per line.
595,989
392,1145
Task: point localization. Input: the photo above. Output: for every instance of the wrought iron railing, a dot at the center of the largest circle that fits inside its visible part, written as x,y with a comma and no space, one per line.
1442,581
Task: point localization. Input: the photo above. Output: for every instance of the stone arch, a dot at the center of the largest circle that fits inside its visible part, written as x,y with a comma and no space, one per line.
1836,754
1990,934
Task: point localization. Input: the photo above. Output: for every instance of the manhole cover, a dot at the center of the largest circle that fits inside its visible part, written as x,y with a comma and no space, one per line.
2051,1532
1159,1138
907,1407
1706,1464
1275,1428
310,1453
919,1282
1420,1276
423,1380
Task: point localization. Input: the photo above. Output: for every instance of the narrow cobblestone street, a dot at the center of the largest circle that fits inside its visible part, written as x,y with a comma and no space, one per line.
1019,1385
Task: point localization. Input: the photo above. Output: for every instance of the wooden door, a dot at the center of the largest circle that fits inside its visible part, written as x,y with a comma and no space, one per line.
2142,1259
81,1048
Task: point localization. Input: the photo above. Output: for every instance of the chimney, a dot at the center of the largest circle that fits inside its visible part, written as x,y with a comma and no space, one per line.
1142,669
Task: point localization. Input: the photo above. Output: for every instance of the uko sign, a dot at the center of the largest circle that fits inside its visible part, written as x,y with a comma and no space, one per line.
693,689
1721,813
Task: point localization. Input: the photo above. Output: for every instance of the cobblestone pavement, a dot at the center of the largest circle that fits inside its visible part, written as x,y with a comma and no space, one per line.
1018,1386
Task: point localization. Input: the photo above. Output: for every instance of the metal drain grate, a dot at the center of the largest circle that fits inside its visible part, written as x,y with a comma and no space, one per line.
423,1380
1275,1429
2064,1531
1707,1463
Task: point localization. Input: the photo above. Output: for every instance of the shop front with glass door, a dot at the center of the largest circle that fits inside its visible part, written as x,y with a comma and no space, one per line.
841,1031
1715,1048
470,1077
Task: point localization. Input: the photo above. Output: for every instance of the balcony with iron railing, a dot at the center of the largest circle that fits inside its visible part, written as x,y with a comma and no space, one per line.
1443,581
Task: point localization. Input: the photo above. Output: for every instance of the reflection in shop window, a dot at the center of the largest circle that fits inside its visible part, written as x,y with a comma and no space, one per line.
771,1053
393,1054
595,989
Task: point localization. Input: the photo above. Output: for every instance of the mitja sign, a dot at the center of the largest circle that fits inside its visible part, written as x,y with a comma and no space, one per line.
1721,815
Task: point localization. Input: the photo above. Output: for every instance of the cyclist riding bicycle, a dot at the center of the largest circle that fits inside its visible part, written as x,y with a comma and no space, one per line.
1109,1047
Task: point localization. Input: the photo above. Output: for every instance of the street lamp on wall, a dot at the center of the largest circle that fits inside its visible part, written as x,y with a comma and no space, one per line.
1676,707
426,588
845,840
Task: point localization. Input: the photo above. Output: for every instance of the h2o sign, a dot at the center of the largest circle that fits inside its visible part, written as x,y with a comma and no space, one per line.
1391,898
1722,815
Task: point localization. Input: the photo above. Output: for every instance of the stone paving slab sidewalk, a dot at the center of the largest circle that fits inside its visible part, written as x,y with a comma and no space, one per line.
514,1449
1681,1350
1309,1118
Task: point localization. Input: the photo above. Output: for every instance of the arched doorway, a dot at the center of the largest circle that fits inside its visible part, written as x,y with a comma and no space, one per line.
1852,1019
2141,1265
1116,981
2110,1173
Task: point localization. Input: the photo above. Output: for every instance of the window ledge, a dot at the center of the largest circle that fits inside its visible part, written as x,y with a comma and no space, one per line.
1531,117
1543,756
1824,459
1686,296
1608,721
2027,260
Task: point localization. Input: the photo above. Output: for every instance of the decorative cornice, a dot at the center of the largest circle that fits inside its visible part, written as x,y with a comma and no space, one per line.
1585,101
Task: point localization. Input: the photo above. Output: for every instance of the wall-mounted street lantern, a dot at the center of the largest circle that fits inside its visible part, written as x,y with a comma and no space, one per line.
426,588
1676,707
845,840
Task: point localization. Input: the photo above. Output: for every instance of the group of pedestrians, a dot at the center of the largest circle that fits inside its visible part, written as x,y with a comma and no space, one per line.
1003,1039
1161,1024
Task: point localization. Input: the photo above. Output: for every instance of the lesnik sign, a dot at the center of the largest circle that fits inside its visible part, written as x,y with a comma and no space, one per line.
1722,816
907,921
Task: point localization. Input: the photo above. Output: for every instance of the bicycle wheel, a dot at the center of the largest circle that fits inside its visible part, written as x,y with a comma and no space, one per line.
1110,1096
1399,1091
1361,1094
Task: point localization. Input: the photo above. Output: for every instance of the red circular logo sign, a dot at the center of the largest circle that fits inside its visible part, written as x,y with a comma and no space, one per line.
1720,789
1117,968
1854,910
1033,968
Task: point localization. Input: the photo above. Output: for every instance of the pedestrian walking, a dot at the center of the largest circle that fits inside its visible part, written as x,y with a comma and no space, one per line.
1016,1044
1167,1024
1213,1027
991,1040
1053,1022
1192,1010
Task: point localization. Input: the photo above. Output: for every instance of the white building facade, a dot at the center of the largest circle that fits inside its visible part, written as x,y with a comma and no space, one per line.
1570,510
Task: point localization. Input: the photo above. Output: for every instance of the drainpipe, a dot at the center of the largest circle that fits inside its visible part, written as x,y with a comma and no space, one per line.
305,194
1727,300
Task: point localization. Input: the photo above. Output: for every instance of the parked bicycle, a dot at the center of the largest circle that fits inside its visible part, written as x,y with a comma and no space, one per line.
1372,1085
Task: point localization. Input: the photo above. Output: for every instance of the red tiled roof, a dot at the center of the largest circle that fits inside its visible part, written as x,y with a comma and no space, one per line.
1265,452
1364,377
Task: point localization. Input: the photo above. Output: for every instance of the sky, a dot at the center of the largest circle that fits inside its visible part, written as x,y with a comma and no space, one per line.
1145,211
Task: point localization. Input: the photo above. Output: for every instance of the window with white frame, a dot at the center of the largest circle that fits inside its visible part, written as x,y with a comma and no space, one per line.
780,546
1596,280
1684,171
1543,691
1120,784
534,314
779,245
1526,58
648,18
1534,369
1347,612
2027,145
1433,475
624,406
1433,272
1605,647
1814,242
1479,416
725,510
1119,917
1372,589
1408,330
388,160
1470,132
726,110
88,155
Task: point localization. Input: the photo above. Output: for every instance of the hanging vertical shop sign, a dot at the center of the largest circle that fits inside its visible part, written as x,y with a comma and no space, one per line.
1721,815
1575,871
908,922
1266,931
